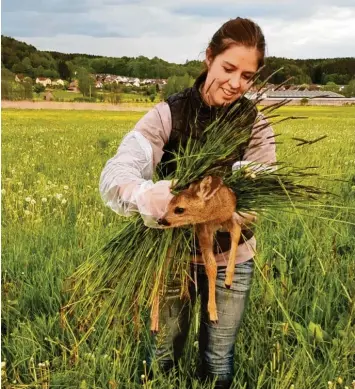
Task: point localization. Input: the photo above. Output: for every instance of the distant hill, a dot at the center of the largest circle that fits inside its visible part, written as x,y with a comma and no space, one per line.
22,58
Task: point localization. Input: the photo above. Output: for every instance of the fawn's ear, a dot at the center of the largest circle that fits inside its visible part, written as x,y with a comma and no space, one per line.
208,187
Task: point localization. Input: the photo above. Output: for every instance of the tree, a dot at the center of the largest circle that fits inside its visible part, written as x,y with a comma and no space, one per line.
28,69
349,90
63,70
38,88
331,87
177,84
27,85
86,83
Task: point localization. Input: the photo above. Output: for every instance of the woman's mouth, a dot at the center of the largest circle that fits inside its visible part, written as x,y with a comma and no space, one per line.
228,93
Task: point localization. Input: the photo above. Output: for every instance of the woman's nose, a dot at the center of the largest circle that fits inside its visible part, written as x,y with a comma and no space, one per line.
234,81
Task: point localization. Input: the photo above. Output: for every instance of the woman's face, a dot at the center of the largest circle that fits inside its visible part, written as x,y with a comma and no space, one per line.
229,74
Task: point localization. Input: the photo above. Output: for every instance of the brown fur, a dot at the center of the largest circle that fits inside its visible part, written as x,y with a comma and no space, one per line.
209,205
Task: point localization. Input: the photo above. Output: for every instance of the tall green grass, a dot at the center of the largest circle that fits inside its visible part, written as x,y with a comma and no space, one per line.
299,326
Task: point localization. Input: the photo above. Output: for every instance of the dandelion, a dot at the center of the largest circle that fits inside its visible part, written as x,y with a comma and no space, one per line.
66,187
33,201
340,380
27,212
58,196
44,199
64,201
28,199
3,191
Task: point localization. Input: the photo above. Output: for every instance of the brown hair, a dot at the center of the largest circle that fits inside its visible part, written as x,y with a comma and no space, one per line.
239,31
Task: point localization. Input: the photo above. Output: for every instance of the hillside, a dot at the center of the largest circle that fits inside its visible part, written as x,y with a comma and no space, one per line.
20,57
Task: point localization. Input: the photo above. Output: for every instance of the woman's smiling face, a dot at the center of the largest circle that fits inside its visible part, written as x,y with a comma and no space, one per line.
229,74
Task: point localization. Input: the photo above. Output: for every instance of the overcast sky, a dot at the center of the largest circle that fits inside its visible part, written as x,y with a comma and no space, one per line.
179,30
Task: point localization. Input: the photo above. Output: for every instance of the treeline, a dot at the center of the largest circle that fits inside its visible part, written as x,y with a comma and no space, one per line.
20,57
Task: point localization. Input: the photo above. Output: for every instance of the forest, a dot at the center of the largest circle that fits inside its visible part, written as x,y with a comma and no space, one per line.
22,58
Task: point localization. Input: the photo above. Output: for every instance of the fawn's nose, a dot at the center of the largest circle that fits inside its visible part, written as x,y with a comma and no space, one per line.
163,222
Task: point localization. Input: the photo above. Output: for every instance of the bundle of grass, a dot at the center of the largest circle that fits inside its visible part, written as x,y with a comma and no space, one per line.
120,283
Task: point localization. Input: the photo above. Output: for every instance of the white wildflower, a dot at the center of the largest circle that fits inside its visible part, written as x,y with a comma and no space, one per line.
64,201
44,199
33,201
58,196
28,199
27,212
66,187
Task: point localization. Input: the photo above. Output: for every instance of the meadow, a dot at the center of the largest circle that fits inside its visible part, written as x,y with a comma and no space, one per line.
299,328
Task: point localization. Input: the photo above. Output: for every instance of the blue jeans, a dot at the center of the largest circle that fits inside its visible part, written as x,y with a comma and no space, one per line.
216,341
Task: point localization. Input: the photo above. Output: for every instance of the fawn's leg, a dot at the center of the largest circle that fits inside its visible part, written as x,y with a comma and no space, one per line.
205,238
154,314
235,231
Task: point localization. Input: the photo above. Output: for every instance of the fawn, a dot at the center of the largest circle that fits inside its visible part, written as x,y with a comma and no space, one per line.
209,205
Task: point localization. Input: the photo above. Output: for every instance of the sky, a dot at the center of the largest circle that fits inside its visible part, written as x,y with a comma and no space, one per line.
179,30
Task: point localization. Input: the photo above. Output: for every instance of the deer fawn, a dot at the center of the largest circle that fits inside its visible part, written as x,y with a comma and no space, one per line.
209,205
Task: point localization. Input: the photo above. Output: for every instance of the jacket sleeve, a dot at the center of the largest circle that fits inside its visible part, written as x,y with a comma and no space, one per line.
261,150
261,147
126,184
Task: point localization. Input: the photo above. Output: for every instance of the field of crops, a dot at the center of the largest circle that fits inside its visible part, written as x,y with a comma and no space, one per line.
299,328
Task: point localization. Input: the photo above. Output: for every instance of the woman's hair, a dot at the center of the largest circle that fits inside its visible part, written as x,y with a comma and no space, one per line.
241,32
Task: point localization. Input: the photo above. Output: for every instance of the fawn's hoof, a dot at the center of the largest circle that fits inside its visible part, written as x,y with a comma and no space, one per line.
214,321
153,332
213,318
228,286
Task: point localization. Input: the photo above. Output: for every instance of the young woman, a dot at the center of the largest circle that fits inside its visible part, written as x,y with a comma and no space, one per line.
233,56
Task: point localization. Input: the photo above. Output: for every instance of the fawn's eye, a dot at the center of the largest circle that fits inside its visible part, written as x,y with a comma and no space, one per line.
179,210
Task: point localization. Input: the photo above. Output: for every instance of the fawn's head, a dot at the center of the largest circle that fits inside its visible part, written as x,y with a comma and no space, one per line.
203,201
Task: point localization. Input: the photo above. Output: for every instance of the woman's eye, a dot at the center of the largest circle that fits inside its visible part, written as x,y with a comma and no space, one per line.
179,210
247,78
228,70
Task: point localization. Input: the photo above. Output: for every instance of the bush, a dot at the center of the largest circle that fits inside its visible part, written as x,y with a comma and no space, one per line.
84,99
304,101
12,90
113,97
38,88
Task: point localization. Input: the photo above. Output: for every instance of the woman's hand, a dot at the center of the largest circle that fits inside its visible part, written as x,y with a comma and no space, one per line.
245,219
152,203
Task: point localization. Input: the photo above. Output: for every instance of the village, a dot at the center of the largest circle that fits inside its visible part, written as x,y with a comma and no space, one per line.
300,94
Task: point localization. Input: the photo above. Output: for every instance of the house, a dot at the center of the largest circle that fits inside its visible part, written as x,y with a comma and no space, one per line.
44,81
99,85
58,82
74,86
48,96
298,94
19,77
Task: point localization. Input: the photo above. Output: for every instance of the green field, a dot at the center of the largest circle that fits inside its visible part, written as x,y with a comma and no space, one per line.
299,329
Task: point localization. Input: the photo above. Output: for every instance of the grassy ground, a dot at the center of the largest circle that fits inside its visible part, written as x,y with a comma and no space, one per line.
299,326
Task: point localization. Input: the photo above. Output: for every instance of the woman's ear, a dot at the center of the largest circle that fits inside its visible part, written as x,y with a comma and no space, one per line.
208,59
